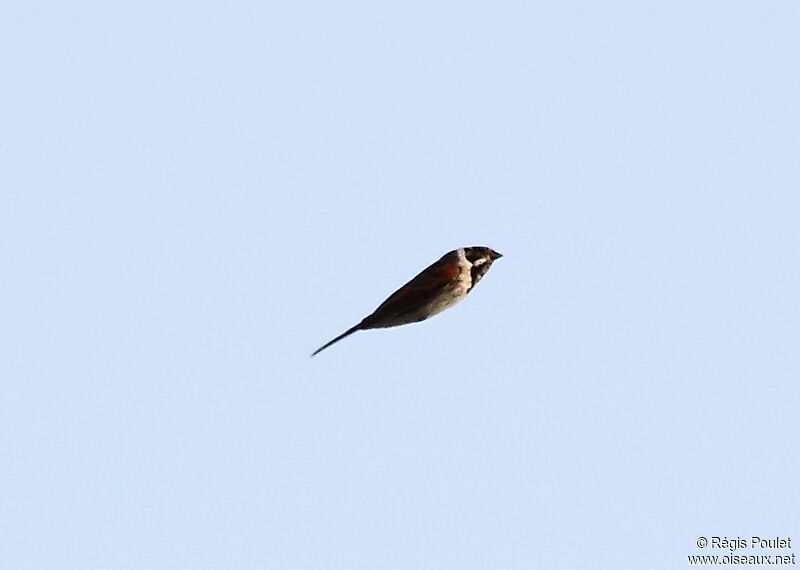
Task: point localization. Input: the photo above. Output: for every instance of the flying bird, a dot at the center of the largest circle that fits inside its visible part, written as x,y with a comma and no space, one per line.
436,288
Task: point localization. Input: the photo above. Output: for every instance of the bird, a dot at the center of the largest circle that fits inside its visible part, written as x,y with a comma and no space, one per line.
436,288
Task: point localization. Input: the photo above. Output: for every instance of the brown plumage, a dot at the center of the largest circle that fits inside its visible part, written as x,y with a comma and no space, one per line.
439,286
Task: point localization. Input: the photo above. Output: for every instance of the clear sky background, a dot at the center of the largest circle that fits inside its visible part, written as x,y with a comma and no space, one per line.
195,196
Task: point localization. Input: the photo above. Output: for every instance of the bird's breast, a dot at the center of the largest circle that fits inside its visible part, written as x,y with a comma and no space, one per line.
454,292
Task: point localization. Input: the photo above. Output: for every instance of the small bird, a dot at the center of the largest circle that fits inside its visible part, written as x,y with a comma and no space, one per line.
436,288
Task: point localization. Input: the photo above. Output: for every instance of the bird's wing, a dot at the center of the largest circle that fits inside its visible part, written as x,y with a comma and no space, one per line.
418,292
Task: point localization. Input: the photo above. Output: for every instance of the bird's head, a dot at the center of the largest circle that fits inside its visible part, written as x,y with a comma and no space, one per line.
481,258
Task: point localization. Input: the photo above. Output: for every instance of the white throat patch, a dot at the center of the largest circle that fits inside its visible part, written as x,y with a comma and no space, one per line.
465,278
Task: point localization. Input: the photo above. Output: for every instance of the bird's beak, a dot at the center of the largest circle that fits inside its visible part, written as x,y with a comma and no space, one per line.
495,255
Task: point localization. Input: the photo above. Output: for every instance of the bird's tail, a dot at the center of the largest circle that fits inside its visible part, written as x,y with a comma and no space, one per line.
348,332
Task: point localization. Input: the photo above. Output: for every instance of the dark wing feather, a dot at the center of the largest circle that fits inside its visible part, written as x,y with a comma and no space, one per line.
419,291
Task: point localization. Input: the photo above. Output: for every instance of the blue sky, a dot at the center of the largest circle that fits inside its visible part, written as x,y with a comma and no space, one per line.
195,196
